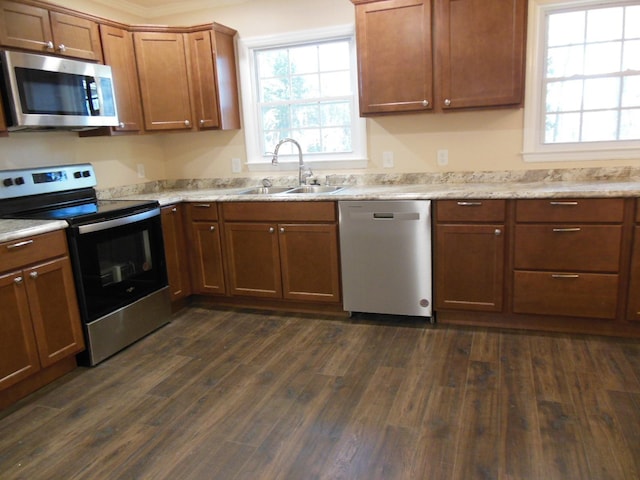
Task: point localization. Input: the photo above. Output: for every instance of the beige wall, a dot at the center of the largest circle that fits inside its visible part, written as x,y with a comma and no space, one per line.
484,140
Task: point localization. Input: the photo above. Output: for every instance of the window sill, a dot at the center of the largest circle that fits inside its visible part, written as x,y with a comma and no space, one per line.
287,166
582,155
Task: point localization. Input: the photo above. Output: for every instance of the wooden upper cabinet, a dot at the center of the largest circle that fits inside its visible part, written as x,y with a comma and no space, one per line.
118,51
205,92
41,30
481,50
479,54
164,80
394,56
213,79
3,120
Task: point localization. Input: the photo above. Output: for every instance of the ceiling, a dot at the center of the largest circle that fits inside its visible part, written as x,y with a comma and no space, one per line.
159,8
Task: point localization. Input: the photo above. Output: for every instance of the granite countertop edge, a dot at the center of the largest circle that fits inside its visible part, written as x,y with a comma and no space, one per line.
11,230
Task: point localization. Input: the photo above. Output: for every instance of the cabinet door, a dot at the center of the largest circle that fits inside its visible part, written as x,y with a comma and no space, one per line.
224,53
54,310
254,260
394,56
18,350
205,92
75,37
175,252
25,26
309,259
208,272
481,48
469,267
634,287
117,45
164,80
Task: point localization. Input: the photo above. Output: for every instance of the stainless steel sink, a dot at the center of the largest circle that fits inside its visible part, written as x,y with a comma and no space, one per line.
315,189
264,190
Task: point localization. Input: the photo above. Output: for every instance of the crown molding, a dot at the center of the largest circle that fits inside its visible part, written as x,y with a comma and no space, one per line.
175,8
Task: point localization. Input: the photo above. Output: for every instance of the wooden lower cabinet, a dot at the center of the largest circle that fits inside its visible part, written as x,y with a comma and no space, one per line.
205,247
470,255
285,250
39,316
176,252
469,267
253,257
633,310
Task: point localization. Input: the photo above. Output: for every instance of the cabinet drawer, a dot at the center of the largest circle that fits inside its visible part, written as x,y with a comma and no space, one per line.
26,251
586,248
470,210
570,210
203,211
280,211
577,295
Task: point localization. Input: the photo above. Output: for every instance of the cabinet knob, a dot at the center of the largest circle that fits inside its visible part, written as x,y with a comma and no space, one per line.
271,229
34,274
49,45
174,210
187,123
121,124
17,280
447,102
202,122
62,47
281,229
425,103
212,228
497,232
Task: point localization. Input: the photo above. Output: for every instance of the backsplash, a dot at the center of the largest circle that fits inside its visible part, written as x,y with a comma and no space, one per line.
611,174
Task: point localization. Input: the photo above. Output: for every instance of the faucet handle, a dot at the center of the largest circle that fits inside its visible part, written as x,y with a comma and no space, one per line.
266,183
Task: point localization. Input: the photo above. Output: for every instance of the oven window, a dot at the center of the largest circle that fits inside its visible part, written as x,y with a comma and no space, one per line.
124,257
118,266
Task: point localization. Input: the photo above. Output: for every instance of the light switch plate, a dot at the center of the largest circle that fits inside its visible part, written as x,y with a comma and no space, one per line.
236,165
443,157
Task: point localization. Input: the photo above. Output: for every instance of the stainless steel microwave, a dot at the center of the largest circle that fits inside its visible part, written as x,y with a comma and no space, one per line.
41,91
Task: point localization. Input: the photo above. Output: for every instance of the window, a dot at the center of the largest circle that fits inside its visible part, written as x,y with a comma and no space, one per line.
302,86
583,100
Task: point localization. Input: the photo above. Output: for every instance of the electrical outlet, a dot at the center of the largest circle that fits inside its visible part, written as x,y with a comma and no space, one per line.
443,157
387,159
236,165
141,172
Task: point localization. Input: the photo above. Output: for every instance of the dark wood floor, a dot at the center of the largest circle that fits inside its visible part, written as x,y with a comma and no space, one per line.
244,395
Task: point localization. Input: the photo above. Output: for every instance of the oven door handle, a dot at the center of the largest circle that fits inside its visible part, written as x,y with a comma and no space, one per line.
117,222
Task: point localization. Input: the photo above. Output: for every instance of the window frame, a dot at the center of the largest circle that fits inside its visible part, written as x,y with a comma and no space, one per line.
534,150
256,160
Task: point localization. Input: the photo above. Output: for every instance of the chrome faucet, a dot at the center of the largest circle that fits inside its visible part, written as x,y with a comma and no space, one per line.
304,171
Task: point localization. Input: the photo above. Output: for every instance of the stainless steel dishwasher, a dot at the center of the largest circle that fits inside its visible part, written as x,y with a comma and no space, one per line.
386,256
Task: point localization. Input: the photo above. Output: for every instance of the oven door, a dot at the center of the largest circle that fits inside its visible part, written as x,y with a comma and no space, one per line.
117,262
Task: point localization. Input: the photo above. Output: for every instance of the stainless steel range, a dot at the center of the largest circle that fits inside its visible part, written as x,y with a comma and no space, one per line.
115,246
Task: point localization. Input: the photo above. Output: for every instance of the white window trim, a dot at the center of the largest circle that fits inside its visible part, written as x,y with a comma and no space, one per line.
533,149
255,159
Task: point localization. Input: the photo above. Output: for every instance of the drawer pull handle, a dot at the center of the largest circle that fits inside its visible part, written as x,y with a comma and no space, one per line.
202,205
563,204
19,244
564,275
470,204
565,230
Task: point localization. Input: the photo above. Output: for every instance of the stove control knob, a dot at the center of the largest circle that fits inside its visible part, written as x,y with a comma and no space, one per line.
19,180
7,182
86,173
77,174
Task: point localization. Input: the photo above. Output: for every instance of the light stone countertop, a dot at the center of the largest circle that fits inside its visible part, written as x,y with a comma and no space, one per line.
15,229
413,192
11,230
